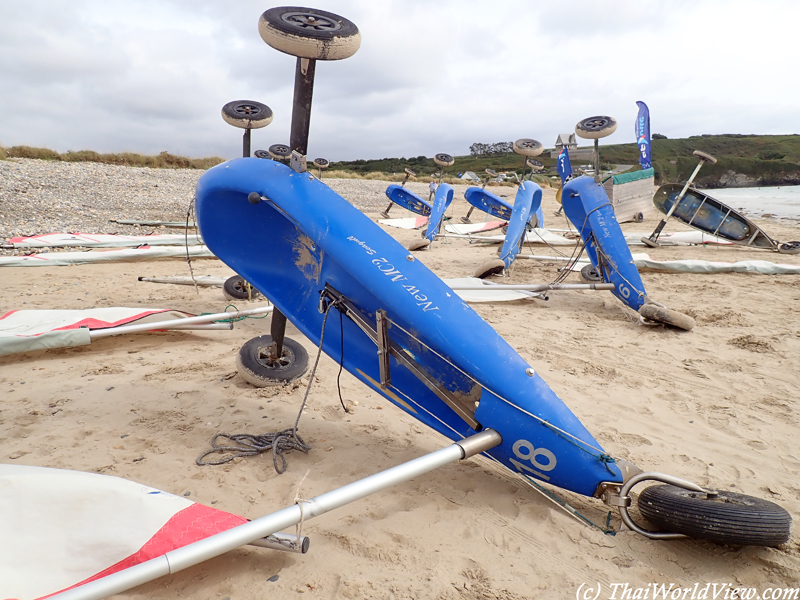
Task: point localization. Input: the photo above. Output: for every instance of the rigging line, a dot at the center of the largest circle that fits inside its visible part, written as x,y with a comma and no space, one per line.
186,245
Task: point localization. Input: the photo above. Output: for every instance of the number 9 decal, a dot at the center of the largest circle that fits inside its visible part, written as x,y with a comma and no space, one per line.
524,450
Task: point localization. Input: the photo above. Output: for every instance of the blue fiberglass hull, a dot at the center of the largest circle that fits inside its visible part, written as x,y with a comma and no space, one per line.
497,207
442,199
528,200
408,200
587,207
305,237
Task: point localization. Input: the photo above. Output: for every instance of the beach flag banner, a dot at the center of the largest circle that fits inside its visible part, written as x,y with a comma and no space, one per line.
81,527
643,135
101,240
563,166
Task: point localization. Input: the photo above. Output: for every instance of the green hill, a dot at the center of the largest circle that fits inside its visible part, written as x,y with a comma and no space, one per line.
743,160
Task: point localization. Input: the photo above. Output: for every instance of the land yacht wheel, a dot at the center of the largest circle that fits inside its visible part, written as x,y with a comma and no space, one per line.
492,267
650,243
309,33
419,245
534,164
279,151
789,248
261,154
590,275
595,128
237,288
654,312
443,160
528,147
247,114
257,367
321,163
726,518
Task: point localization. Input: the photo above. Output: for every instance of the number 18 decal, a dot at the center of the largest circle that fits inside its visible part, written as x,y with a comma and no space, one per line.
524,450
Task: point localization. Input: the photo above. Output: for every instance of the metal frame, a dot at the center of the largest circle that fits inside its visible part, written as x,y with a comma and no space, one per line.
386,347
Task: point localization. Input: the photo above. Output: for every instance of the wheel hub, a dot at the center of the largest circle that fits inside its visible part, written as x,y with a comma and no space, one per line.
265,358
306,21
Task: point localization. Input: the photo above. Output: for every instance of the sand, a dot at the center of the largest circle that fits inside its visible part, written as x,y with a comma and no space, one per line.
717,405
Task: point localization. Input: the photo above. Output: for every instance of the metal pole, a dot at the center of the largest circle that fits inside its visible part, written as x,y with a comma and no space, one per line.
247,533
545,287
301,107
597,160
298,141
246,143
178,322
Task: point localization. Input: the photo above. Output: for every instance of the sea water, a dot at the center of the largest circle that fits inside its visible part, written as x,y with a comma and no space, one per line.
781,202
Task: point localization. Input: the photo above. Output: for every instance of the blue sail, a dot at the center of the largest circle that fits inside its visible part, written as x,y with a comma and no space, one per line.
563,166
643,135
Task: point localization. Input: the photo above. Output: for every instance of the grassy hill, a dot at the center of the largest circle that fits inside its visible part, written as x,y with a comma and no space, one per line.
743,160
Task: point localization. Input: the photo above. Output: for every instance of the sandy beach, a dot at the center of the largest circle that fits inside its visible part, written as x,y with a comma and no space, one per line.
717,405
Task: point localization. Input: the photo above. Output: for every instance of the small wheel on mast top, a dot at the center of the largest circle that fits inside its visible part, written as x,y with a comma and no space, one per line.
321,163
237,288
590,275
535,164
443,160
256,366
261,154
247,114
705,156
419,245
279,151
595,128
528,147
492,267
660,314
722,517
309,33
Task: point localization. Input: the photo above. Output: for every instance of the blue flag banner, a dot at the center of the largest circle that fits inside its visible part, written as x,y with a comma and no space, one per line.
563,166
643,135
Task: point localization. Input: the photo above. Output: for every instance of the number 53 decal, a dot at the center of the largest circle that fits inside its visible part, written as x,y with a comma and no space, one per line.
524,450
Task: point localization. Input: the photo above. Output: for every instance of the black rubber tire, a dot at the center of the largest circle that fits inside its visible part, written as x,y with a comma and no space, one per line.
590,275
653,312
254,366
730,518
705,156
321,163
493,267
465,220
309,33
528,147
443,160
261,154
280,151
236,288
789,248
419,245
595,128
410,172
247,114
650,243
638,217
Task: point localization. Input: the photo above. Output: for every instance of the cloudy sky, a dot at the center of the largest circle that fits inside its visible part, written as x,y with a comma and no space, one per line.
430,76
